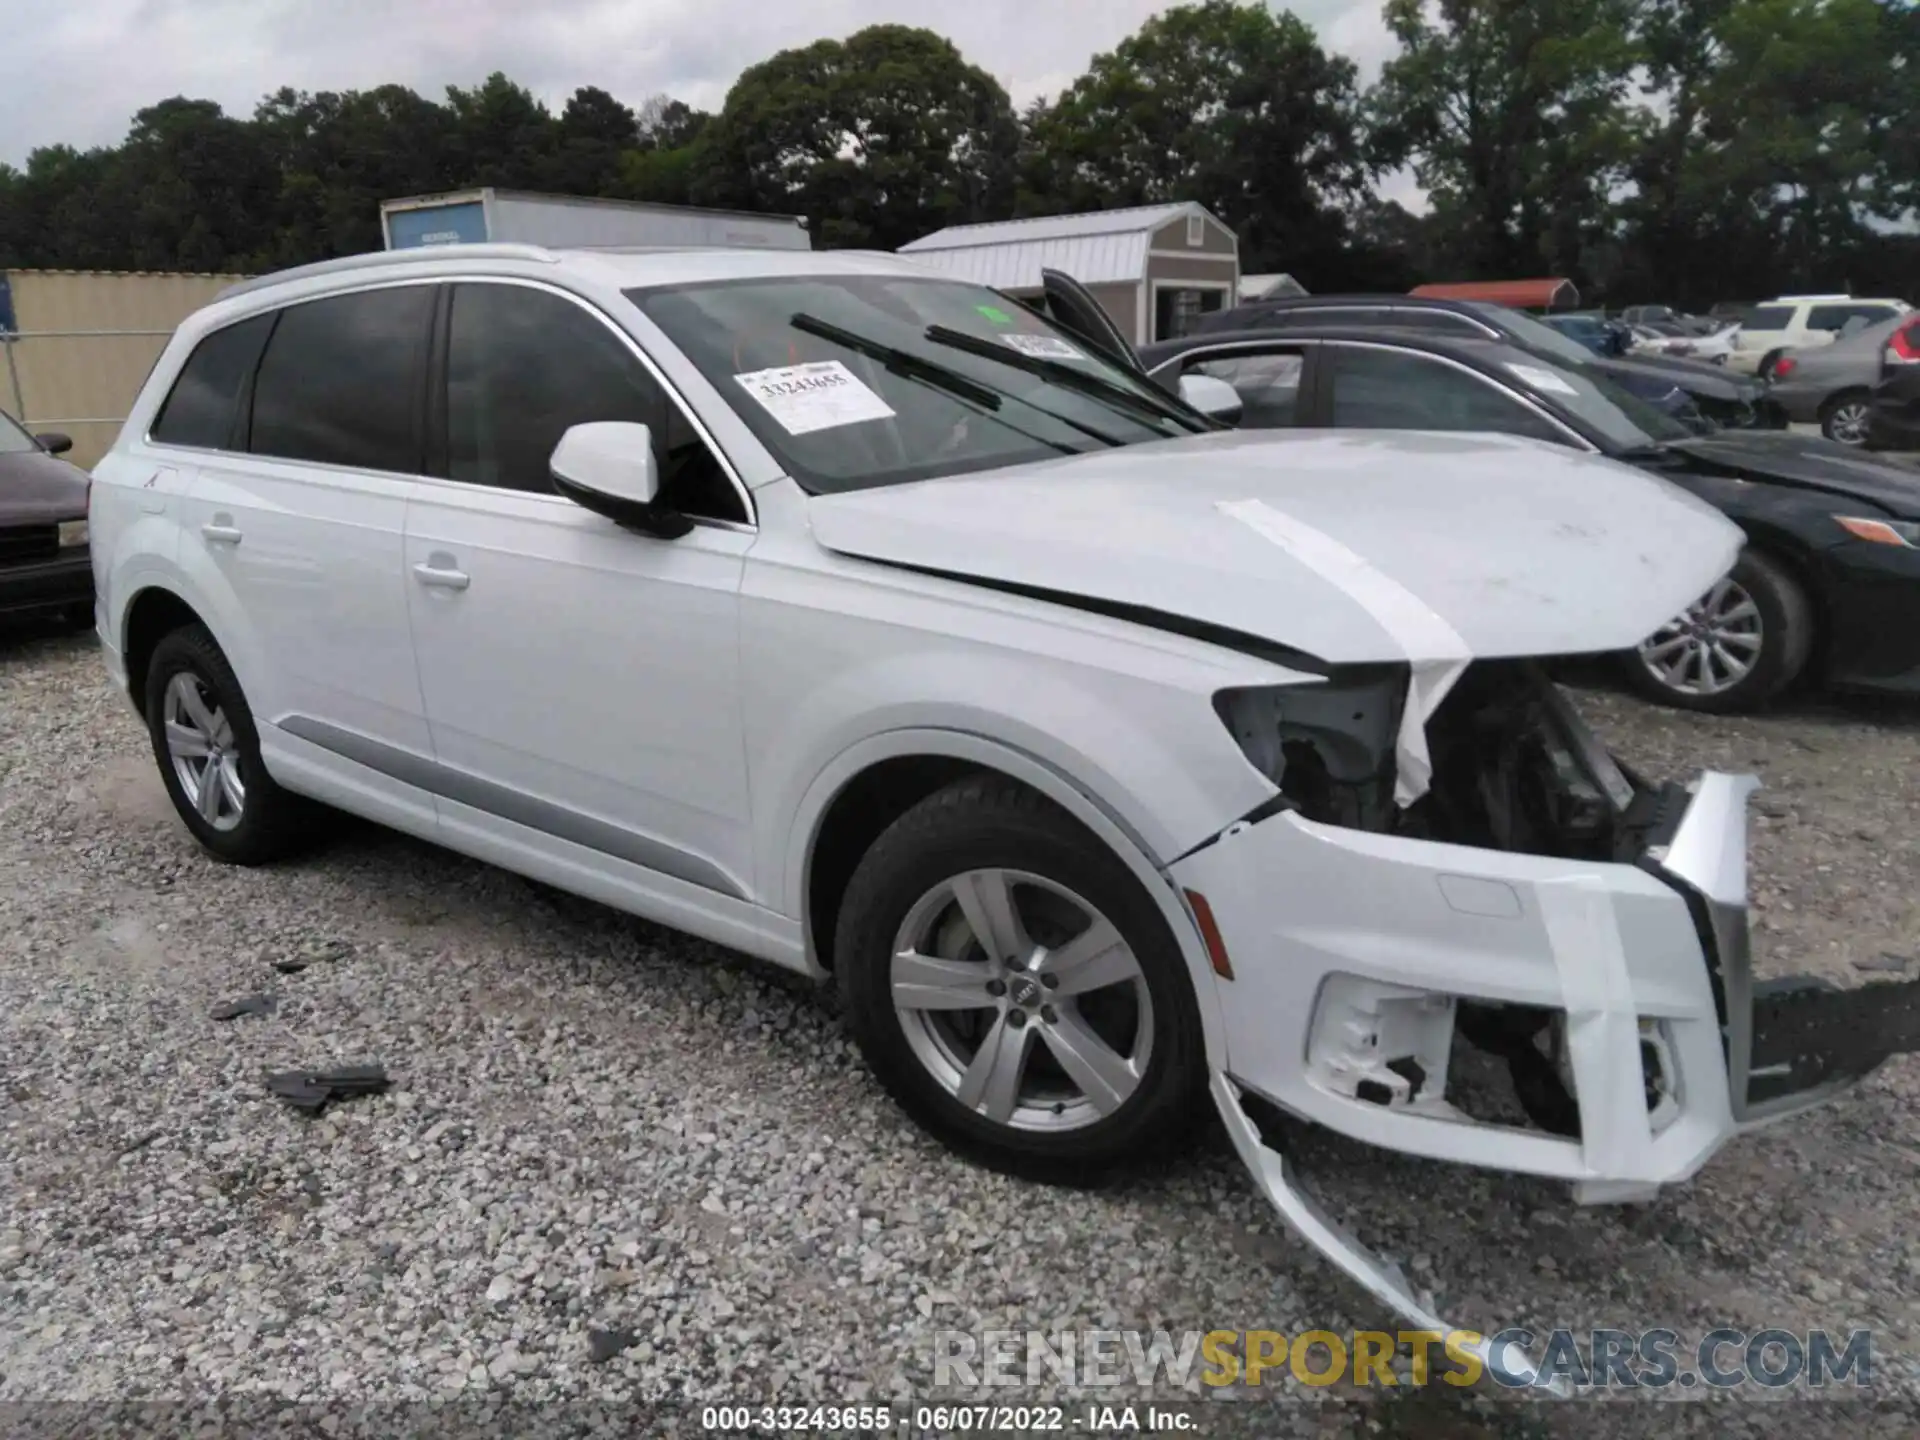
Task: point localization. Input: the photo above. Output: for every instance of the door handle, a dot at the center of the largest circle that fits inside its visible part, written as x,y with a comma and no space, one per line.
441,579
220,534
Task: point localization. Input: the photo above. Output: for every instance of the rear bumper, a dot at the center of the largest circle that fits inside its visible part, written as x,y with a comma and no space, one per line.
60,584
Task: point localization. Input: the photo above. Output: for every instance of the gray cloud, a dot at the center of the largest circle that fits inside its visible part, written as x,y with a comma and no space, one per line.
75,71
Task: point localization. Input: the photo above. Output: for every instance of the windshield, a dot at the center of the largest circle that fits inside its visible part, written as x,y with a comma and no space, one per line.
1622,420
854,381
13,439
1534,335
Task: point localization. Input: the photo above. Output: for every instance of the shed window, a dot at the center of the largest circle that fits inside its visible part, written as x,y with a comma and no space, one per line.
1196,231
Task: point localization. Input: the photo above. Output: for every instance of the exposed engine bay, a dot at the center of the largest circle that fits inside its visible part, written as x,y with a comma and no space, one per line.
1515,768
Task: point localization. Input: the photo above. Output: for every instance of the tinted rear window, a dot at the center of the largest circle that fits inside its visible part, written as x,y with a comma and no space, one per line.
343,379
200,409
1768,317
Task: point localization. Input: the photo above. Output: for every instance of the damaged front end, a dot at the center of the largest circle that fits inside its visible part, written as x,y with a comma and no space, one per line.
1537,902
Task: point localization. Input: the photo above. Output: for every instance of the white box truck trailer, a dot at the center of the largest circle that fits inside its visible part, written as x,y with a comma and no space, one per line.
574,222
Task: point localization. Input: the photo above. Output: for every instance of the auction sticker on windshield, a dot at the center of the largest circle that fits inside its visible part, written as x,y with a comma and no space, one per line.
817,396
1045,347
1542,379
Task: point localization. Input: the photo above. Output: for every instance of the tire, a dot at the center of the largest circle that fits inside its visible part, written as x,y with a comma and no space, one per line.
909,885
268,822
1843,418
1782,620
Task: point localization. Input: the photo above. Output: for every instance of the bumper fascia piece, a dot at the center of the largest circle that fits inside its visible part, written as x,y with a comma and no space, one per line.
1306,911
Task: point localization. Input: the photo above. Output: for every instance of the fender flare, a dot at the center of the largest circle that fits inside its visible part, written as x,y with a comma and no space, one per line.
1058,787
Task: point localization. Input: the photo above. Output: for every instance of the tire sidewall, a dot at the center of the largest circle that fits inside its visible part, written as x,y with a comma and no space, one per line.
193,651
913,858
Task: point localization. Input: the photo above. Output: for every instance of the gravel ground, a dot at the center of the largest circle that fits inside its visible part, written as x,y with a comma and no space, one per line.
600,1126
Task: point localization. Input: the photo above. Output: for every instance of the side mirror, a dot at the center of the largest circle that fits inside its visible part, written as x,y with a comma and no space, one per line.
607,466
54,442
1212,397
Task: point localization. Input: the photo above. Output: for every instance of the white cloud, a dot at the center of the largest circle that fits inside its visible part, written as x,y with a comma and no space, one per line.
75,71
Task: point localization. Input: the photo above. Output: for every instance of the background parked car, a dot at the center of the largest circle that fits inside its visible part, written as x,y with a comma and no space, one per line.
1832,385
1800,322
1893,419
1719,399
44,563
1828,585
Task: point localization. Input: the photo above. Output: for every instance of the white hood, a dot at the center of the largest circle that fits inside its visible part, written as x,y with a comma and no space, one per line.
1350,546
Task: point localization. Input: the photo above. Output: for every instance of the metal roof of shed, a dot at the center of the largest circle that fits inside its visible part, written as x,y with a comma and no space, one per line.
1101,247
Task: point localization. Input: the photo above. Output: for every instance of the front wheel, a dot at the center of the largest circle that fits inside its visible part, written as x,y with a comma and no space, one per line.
1016,990
1735,648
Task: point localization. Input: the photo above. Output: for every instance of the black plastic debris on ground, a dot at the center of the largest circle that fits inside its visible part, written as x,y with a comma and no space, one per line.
311,1091
316,955
603,1345
245,1005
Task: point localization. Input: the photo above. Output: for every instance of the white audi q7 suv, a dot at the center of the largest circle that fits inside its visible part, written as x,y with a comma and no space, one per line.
1108,760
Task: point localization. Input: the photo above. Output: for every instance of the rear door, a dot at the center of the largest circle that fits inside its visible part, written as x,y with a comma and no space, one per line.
298,522
1364,386
1072,307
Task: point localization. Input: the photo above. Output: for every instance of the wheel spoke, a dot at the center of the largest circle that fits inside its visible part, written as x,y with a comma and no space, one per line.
1104,1076
992,1082
1743,613
1658,649
231,785
208,800
925,982
986,899
185,741
1095,958
1716,597
1745,639
196,707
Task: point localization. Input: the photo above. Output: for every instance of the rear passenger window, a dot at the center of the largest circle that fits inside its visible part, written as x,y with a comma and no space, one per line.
523,365
201,408
343,380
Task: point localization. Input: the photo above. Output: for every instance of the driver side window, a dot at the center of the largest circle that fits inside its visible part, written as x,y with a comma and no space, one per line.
1378,389
523,365
1267,381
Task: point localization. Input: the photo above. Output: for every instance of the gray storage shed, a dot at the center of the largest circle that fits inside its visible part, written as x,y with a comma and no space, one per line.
1155,268
567,222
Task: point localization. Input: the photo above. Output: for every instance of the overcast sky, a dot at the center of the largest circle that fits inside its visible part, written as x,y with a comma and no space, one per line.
74,71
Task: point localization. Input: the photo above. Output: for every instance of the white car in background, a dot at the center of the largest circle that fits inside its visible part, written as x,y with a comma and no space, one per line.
871,623
1801,322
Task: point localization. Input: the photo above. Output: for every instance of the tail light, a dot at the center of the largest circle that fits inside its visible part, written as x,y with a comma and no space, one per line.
1784,367
1904,346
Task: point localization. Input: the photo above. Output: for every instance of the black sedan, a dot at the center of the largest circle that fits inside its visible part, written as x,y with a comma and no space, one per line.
44,561
1722,400
1828,585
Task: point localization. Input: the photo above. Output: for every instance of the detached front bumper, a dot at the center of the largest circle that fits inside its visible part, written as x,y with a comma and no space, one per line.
1353,956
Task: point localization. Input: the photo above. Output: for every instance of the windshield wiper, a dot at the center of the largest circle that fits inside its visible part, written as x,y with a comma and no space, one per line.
1065,375
941,377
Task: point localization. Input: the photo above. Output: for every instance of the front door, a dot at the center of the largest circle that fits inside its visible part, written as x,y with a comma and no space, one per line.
581,680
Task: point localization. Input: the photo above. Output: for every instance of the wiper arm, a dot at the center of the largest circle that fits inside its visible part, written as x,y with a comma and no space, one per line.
1068,377
942,377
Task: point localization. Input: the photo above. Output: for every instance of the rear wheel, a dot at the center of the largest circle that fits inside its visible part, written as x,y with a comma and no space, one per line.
1016,990
1735,648
1843,419
209,754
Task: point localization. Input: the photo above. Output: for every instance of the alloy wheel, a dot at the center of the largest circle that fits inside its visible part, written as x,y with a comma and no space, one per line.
204,751
1022,1000
1711,647
1848,423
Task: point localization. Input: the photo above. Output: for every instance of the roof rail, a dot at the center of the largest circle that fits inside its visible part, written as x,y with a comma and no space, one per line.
396,259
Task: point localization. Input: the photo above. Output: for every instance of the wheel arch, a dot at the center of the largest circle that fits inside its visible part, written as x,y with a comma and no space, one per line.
154,612
874,782
1794,556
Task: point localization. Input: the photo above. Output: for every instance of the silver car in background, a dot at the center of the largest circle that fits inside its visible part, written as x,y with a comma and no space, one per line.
1832,385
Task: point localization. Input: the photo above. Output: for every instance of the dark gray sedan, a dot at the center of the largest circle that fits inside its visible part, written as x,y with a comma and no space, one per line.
1832,385
45,566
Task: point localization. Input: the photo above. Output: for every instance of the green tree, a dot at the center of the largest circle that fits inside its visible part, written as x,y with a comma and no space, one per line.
1225,103
1513,115
878,139
662,166
503,136
594,133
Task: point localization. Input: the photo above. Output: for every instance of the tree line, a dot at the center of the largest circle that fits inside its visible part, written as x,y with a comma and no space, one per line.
1679,150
